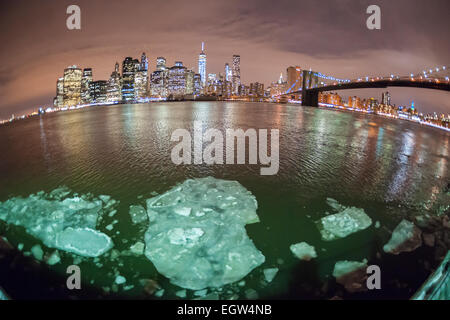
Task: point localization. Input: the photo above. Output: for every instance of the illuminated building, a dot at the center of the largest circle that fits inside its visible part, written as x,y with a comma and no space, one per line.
228,73
59,100
256,89
72,86
158,81
197,84
386,98
202,65
85,81
160,64
278,88
236,74
98,91
294,79
190,82
176,81
129,68
114,87
141,79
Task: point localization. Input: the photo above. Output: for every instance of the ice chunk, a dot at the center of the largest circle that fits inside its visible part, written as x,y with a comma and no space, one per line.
303,251
137,248
208,250
37,252
270,273
344,223
68,224
351,274
54,258
201,293
405,238
181,293
138,214
335,204
83,241
120,279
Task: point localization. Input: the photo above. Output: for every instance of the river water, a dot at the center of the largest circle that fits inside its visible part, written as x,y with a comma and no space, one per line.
392,169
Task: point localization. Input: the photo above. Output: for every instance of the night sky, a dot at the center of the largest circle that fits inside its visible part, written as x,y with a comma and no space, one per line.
327,36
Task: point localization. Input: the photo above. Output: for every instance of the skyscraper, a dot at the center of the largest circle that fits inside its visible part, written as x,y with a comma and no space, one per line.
202,65
160,64
129,68
141,79
98,91
60,93
85,81
228,73
294,79
236,74
72,86
386,98
176,80
114,87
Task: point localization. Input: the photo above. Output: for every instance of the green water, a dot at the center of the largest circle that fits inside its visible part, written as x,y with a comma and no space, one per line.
389,168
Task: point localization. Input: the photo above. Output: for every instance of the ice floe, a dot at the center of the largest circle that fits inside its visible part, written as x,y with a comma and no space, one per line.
343,223
63,223
197,235
405,238
303,251
351,274
270,273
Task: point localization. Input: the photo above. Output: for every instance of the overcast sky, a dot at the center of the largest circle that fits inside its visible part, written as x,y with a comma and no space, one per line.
327,36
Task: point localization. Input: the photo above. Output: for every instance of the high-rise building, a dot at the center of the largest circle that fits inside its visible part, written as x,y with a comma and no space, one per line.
72,86
59,102
129,68
85,81
160,64
256,89
386,98
202,65
294,79
228,73
197,84
190,82
159,83
98,91
236,74
141,79
114,87
176,80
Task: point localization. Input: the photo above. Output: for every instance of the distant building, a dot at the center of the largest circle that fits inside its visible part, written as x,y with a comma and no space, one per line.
236,75
294,80
158,83
160,64
190,82
256,89
176,81
228,73
59,100
278,88
202,65
197,84
114,87
86,79
98,91
141,79
72,86
129,68
386,98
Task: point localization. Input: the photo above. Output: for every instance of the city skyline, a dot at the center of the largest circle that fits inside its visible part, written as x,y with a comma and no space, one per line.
265,42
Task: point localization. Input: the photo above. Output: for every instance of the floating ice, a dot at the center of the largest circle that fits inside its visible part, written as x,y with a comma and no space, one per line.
181,293
344,223
405,238
137,248
335,204
68,224
197,235
37,252
138,214
351,274
303,251
120,280
270,273
83,241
